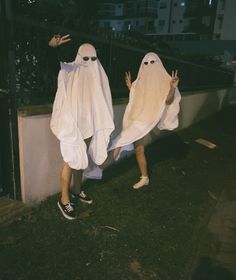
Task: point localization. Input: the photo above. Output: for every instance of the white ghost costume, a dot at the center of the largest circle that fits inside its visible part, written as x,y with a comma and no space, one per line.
82,109
147,107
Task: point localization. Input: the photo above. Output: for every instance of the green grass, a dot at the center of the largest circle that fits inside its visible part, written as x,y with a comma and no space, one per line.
151,233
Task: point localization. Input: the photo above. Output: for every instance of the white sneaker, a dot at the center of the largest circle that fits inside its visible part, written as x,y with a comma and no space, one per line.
144,181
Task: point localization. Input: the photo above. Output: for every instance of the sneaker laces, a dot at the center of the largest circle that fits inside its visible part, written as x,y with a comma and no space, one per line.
69,207
82,194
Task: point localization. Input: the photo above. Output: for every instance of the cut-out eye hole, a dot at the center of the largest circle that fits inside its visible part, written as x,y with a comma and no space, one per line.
151,62
86,58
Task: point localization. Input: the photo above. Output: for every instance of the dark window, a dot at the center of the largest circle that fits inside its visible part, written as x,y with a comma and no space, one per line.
107,24
163,5
222,4
220,21
161,23
150,25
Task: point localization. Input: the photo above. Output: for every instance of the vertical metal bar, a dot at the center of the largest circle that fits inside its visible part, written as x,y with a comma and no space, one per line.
13,103
170,16
110,57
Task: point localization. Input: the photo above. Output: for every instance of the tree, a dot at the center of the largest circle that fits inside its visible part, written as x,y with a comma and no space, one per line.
71,13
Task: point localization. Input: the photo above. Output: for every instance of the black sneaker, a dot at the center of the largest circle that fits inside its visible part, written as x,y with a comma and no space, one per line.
82,197
67,210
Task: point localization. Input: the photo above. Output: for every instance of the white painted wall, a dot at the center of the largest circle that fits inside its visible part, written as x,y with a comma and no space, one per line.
40,158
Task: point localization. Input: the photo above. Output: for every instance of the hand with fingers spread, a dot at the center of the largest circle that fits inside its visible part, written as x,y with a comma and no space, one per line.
128,81
58,40
174,79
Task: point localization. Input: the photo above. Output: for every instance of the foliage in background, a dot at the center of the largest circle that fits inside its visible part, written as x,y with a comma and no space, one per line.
35,21
70,13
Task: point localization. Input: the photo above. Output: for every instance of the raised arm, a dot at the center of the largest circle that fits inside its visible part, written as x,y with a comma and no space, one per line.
58,40
128,81
173,85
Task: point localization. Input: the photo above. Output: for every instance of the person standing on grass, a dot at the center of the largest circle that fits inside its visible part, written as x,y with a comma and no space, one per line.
153,104
82,120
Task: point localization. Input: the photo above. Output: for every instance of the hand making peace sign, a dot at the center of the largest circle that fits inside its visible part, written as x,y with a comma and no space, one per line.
174,79
58,40
128,81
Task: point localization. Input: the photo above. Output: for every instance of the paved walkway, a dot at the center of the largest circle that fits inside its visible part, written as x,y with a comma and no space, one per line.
220,237
216,256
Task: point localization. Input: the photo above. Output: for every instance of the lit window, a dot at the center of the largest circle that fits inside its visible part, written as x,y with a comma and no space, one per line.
182,3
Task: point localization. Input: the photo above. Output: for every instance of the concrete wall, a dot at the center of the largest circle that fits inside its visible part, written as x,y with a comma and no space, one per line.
40,158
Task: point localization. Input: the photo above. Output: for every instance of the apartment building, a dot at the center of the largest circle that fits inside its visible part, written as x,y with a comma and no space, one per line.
111,15
144,16
170,17
128,15
186,19
225,20
140,15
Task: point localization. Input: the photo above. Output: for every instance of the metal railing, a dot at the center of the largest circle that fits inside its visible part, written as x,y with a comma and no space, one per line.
35,72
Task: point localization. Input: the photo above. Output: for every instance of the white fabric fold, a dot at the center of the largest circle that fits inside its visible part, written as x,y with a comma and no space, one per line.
146,108
82,109
147,103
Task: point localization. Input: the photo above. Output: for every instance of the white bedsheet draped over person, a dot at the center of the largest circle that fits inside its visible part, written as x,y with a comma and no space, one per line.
146,107
82,109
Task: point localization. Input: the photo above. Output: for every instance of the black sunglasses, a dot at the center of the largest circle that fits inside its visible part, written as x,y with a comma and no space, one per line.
152,61
86,58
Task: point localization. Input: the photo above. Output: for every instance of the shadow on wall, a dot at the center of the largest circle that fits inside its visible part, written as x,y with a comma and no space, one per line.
197,107
212,103
226,120
232,95
208,269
